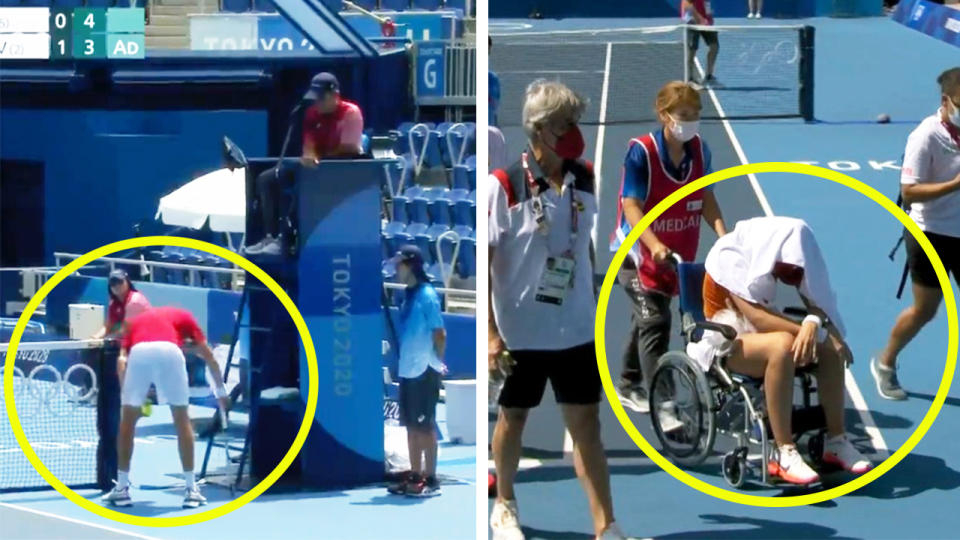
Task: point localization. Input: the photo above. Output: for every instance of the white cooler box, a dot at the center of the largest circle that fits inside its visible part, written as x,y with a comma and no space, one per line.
461,398
85,320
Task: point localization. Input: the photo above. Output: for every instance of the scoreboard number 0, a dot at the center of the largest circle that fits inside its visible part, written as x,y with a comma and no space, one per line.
60,20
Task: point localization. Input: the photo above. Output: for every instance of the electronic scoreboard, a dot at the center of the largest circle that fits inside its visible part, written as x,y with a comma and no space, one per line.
42,33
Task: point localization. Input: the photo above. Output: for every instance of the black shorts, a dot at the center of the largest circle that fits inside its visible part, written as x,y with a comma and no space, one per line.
572,372
418,399
693,38
921,270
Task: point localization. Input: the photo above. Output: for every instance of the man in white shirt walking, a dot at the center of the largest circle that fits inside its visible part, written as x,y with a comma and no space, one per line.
930,185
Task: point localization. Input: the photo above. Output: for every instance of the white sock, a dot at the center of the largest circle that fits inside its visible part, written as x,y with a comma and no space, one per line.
836,439
191,482
123,479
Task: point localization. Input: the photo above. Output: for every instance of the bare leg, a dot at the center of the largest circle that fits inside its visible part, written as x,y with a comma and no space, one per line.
590,461
830,373
768,356
926,302
128,424
428,443
507,445
181,420
712,58
416,454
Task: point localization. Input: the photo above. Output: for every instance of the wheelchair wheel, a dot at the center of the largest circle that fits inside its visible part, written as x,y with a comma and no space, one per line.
734,468
682,410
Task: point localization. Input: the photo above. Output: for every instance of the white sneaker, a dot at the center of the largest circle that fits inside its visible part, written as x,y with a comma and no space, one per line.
667,415
749,15
505,521
271,247
613,532
118,496
192,498
791,467
840,451
257,248
758,16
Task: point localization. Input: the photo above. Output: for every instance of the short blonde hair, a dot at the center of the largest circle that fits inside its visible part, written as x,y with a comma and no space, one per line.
677,93
549,100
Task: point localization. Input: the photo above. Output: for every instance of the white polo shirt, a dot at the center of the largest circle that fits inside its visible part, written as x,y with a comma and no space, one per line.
932,156
520,256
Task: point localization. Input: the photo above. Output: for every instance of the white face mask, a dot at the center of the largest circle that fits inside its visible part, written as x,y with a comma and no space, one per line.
954,117
684,131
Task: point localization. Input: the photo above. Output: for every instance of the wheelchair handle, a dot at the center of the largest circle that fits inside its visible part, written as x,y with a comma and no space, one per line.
726,331
675,259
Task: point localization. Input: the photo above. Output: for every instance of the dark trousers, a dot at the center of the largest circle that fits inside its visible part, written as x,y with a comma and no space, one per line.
270,184
649,336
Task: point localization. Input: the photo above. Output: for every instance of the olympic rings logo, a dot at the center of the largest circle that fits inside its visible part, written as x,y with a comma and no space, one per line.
46,389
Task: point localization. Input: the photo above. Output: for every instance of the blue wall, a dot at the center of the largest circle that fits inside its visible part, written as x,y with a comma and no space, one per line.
215,310
670,8
106,170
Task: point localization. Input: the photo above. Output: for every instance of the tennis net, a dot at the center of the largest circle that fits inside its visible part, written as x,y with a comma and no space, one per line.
760,71
67,399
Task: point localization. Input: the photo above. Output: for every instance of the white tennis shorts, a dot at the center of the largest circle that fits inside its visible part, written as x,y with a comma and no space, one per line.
162,364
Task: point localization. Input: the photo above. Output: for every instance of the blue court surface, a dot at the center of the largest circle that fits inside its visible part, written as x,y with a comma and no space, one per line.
864,67
367,512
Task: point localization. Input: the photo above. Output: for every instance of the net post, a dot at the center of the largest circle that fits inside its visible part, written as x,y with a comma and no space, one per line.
807,34
108,415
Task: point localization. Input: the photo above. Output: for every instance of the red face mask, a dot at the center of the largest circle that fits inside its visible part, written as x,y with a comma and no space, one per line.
570,145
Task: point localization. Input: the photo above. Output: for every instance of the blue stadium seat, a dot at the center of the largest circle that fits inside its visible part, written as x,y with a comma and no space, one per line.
431,5
388,269
400,205
10,3
461,177
100,3
455,144
402,144
394,227
402,239
236,6
395,5
265,6
456,194
417,209
414,229
472,171
468,257
425,146
69,3
425,244
462,215
463,231
440,210
455,4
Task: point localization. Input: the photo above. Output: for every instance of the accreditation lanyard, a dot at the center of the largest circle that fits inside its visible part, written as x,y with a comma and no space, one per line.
953,131
538,214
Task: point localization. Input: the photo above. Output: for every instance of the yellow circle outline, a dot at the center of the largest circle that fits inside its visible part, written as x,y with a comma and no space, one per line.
199,517
756,500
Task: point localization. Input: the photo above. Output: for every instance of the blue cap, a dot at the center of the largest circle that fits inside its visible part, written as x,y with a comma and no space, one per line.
321,84
412,257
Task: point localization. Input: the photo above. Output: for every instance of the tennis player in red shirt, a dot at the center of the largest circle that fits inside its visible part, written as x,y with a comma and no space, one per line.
151,353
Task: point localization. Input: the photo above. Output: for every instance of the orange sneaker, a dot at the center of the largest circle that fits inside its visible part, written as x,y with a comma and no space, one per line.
791,468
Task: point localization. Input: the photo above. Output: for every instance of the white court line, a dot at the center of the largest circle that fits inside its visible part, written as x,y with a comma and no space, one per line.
597,184
76,521
551,72
856,396
566,462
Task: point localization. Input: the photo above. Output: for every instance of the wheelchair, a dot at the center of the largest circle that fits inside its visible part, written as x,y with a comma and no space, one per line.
689,407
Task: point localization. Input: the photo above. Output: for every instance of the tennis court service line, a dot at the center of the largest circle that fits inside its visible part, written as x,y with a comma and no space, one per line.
856,396
19,508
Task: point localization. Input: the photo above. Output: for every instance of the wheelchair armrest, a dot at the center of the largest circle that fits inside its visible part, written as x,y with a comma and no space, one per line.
726,331
795,311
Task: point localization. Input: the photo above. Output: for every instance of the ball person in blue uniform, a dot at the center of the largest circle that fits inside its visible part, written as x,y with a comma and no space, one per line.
422,343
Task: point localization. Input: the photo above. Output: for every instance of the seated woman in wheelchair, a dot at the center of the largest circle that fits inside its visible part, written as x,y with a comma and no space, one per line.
743,269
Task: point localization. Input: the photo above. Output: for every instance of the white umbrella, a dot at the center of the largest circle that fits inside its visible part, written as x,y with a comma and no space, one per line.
219,196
